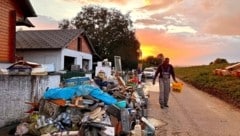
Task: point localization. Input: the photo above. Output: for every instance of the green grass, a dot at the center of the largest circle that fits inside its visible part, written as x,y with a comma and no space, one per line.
202,77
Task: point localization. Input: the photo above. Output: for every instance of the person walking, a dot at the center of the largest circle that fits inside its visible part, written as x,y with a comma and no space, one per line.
165,70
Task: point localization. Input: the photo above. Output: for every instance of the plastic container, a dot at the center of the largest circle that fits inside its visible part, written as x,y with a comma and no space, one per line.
177,87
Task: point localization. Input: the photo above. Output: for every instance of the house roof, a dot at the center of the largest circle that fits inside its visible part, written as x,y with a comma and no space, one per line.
27,8
28,11
24,22
49,39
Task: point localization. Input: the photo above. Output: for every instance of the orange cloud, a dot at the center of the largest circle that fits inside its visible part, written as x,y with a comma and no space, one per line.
221,17
223,25
158,4
180,49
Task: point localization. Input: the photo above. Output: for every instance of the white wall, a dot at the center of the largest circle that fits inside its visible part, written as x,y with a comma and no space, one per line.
16,90
55,57
5,65
42,57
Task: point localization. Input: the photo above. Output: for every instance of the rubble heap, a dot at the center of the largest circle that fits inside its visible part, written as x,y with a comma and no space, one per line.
84,107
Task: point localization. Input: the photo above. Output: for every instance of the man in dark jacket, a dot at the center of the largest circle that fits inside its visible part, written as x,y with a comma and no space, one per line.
165,70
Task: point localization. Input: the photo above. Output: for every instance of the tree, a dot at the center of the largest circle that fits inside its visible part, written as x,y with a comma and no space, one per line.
65,24
151,61
219,61
110,32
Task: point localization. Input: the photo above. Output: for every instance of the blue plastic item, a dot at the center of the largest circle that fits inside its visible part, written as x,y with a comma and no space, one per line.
65,93
68,93
105,97
121,104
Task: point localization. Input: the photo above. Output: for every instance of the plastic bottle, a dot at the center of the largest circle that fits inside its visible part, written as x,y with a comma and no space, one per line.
137,129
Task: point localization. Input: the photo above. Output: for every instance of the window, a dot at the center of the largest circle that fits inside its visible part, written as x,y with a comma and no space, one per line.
85,65
68,62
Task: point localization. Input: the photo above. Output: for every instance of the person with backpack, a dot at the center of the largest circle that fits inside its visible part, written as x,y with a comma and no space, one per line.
164,70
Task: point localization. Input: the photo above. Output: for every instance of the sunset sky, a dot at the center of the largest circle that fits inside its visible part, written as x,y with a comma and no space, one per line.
189,32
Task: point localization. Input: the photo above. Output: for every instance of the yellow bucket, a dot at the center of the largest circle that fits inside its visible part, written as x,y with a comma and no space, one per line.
177,87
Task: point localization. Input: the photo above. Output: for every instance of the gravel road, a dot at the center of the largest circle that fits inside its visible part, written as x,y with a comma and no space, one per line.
192,113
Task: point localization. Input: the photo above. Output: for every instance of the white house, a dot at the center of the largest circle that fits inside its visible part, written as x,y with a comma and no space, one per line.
62,48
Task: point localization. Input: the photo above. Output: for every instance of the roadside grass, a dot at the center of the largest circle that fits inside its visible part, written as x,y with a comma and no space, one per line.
202,77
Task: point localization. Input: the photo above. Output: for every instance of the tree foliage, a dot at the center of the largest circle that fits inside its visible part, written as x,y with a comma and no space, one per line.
151,61
219,61
110,32
65,24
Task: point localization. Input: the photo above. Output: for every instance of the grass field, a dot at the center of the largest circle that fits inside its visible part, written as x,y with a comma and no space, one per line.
202,77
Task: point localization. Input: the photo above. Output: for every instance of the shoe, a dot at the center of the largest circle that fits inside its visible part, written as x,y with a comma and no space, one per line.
162,106
166,105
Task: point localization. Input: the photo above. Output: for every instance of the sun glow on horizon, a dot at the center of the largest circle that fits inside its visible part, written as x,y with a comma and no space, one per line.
147,51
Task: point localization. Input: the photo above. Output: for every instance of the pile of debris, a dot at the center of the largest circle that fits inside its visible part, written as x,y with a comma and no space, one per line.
233,70
22,67
85,107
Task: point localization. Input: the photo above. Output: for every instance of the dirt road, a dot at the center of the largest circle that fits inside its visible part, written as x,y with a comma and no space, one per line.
192,113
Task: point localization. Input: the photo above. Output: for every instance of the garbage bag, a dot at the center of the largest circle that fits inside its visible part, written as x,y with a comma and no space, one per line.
65,93
84,90
68,93
105,97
